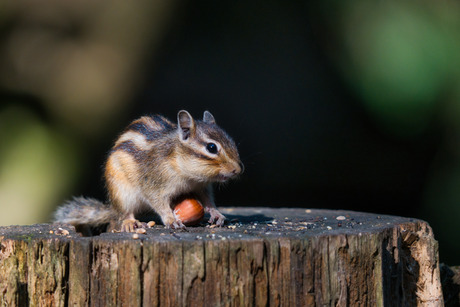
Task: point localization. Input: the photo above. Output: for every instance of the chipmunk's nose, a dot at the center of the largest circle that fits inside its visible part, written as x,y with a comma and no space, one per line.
239,169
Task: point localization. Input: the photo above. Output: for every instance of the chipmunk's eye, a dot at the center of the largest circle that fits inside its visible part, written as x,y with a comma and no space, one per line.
211,148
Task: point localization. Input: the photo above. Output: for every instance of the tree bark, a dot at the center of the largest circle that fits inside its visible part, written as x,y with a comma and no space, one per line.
262,257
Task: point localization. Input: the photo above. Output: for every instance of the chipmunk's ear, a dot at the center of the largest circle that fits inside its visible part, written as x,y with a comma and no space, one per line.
185,124
208,118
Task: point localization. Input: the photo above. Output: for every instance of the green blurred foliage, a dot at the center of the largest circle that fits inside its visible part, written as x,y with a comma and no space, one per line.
403,58
38,166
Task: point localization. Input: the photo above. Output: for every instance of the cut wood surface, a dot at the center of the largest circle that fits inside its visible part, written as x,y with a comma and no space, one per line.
261,257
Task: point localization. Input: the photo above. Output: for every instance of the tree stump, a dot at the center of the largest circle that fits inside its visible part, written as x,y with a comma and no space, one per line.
261,257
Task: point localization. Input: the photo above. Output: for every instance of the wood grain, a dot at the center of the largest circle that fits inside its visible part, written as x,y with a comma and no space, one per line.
262,257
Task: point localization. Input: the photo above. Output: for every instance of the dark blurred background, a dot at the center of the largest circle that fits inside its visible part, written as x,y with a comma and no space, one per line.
334,104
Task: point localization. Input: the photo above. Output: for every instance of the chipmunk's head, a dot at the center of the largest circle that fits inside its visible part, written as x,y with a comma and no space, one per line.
207,153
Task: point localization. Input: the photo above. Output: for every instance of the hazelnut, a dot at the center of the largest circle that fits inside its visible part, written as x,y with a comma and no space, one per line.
189,211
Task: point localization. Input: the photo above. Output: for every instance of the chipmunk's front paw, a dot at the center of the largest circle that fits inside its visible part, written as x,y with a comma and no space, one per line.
216,217
174,224
130,225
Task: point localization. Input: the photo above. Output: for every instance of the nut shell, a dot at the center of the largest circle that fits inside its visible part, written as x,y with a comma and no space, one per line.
189,211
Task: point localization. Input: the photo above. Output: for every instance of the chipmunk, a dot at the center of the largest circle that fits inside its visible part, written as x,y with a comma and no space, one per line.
153,163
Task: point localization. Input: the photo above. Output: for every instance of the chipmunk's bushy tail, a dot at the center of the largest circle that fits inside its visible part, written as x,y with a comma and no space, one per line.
84,211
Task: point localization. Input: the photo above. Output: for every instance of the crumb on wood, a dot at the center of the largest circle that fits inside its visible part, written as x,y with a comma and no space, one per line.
151,224
61,232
